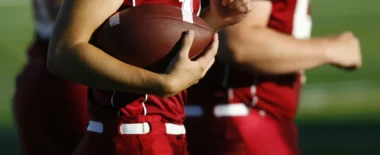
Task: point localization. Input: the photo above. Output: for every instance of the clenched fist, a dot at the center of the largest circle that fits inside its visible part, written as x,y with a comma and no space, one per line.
230,12
344,51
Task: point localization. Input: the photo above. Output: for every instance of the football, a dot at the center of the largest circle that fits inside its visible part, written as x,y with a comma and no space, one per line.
149,35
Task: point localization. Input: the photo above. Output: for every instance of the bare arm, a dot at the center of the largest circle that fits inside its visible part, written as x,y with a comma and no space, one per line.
72,57
254,47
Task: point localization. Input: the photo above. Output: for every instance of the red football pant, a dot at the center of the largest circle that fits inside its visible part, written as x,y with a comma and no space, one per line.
50,112
111,142
255,134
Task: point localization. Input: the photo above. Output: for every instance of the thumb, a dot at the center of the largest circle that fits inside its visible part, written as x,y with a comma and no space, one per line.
187,42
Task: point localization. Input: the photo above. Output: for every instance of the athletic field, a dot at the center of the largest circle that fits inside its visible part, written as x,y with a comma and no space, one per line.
339,112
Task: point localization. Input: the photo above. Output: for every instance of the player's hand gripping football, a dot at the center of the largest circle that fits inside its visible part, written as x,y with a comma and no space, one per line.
344,51
183,72
229,12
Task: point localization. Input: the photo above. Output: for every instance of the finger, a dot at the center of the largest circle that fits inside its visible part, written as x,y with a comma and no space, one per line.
226,2
237,3
349,68
209,59
243,9
352,68
210,53
346,35
186,44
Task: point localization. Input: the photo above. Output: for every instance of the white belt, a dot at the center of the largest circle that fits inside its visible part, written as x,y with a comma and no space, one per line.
221,110
137,128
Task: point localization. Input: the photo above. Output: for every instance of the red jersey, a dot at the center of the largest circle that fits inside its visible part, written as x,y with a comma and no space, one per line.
130,104
278,95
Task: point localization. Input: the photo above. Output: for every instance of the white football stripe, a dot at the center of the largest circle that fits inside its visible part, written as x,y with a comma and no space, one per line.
187,11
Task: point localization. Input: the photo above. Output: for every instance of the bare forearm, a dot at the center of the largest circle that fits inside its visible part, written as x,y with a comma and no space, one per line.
88,65
72,57
271,52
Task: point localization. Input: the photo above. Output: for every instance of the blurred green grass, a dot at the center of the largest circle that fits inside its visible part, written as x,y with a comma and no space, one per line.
331,97
334,94
15,34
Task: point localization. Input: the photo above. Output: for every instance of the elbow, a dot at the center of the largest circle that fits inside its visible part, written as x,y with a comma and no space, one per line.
53,61
52,67
59,54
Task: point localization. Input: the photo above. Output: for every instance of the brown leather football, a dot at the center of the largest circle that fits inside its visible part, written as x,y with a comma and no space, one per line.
149,35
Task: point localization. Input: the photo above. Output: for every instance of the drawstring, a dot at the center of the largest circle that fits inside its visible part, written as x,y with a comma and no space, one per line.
145,110
143,104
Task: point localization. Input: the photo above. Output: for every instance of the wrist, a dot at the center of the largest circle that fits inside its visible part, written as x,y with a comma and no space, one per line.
328,51
168,85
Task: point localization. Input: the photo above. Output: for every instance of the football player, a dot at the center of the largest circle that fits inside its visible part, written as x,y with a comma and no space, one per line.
123,119
247,102
50,112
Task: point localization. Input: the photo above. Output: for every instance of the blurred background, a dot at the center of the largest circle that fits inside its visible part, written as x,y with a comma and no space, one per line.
339,112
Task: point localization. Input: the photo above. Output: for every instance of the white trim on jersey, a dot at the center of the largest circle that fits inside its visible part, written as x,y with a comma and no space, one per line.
133,3
95,126
44,30
44,23
199,9
114,20
302,23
